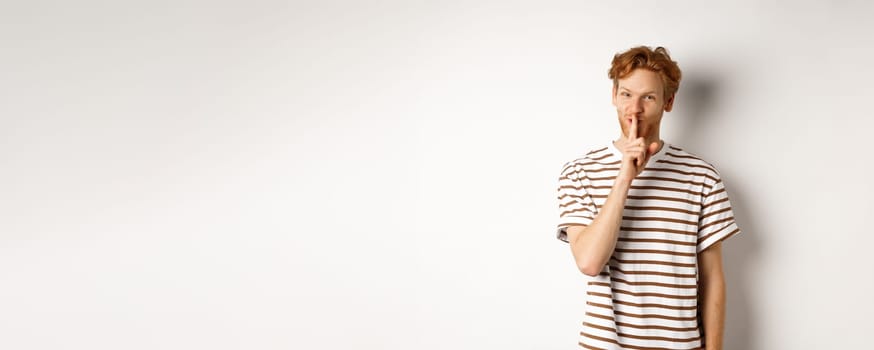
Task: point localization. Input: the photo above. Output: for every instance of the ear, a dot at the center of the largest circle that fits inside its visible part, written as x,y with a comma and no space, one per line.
669,103
614,95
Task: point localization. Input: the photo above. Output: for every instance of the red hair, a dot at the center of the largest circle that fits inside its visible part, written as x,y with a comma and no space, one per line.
643,57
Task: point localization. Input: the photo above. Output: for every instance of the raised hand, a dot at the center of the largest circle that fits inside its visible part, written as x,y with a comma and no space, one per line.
635,153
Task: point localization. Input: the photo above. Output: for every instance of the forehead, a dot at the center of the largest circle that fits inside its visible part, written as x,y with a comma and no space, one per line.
641,81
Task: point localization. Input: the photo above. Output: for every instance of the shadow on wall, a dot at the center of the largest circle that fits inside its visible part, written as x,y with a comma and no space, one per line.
740,253
696,106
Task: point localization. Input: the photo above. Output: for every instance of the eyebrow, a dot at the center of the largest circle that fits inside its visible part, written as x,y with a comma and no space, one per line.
644,93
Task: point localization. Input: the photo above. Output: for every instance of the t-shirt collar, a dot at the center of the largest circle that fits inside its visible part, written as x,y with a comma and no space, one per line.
616,154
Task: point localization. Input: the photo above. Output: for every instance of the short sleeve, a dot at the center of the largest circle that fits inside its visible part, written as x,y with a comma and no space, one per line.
575,205
716,222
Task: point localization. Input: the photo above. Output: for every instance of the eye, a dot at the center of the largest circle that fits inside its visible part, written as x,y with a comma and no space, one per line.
650,97
625,94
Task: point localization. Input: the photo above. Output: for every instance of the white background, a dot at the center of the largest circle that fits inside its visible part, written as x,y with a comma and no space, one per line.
382,175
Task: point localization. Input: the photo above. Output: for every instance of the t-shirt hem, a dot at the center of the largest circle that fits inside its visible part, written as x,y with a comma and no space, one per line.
719,236
561,230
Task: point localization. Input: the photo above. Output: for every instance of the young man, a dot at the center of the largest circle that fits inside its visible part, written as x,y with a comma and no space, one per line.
645,220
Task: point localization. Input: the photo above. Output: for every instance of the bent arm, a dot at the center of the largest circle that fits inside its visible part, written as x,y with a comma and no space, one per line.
593,245
711,293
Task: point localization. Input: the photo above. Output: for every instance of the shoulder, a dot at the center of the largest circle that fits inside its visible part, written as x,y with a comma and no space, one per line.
676,155
580,162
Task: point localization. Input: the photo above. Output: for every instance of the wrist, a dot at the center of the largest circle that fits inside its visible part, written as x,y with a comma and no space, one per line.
622,183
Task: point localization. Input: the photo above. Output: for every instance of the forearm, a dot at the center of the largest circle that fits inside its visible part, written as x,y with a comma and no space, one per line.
712,303
594,245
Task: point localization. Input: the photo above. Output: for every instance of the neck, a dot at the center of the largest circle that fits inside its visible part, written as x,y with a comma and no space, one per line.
648,140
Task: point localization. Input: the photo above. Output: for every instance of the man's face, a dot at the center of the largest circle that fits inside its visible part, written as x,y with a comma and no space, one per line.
641,95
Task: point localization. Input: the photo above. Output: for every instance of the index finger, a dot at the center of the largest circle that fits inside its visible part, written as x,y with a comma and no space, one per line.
632,130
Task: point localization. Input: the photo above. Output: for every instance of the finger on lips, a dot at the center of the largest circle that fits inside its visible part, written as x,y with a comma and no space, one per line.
632,131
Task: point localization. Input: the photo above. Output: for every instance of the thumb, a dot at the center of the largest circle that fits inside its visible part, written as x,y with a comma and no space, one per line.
653,147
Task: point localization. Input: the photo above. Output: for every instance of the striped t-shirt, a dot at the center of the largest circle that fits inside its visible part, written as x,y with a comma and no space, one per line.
647,294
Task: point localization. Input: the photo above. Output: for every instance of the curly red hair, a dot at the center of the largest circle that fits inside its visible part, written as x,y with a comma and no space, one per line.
644,57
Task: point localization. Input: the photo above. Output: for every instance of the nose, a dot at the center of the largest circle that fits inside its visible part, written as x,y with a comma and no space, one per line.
635,106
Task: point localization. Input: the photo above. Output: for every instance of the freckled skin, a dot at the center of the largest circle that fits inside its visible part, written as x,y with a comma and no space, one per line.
641,95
